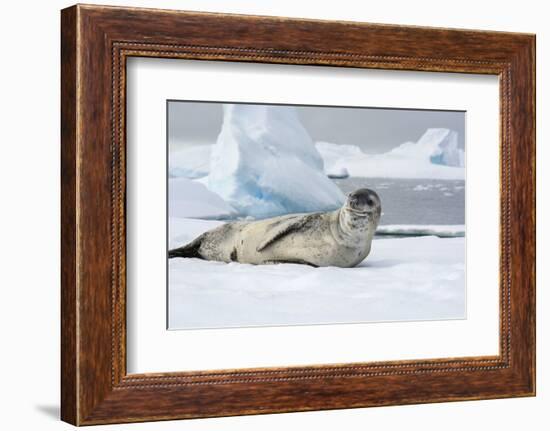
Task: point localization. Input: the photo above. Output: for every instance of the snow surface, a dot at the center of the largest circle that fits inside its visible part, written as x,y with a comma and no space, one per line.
188,198
435,155
411,229
418,278
264,164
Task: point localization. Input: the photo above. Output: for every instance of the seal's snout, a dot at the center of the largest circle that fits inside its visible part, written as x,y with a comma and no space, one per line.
363,200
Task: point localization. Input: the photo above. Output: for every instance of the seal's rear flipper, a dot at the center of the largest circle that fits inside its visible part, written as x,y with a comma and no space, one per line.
189,250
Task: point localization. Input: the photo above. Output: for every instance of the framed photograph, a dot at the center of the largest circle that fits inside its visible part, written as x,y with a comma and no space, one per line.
317,215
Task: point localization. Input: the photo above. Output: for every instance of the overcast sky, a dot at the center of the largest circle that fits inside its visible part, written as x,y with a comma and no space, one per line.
374,130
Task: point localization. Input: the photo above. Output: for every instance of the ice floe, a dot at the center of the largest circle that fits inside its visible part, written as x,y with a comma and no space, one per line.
417,278
415,230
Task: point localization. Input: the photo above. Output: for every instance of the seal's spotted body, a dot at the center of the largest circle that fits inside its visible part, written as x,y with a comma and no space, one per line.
337,238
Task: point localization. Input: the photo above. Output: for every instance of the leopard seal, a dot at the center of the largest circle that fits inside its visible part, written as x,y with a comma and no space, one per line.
339,238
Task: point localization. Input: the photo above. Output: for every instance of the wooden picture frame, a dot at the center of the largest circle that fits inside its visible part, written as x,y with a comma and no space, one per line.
95,43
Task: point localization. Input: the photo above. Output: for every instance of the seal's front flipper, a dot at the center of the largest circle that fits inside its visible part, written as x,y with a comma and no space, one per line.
280,229
189,250
295,261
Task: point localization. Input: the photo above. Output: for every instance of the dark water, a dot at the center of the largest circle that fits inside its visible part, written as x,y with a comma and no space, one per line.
414,201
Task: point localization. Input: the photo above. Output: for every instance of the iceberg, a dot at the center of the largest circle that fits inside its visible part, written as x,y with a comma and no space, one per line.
191,199
337,173
264,163
332,153
438,146
435,155
191,162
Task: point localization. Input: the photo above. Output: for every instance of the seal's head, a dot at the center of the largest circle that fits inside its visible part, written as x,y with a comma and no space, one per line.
364,202
359,217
